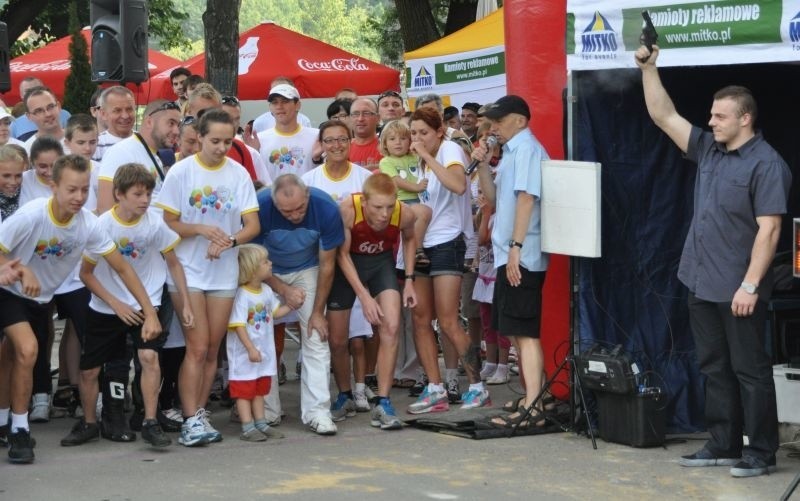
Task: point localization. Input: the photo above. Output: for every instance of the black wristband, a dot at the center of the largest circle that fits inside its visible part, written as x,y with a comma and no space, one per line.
411,277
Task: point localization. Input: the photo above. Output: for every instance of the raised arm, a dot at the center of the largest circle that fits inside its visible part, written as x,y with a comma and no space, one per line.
659,104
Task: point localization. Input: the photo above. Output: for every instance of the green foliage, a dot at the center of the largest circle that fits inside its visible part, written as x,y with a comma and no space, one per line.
78,88
30,44
166,25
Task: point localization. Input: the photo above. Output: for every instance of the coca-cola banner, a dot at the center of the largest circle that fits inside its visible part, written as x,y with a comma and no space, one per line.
317,69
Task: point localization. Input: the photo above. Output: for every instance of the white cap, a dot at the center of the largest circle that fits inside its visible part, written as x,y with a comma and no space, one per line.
284,90
5,114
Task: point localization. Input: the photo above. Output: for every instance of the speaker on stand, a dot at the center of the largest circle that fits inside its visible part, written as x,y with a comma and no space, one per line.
119,40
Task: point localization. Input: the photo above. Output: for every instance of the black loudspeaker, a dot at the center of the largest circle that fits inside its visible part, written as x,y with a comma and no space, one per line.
119,40
5,58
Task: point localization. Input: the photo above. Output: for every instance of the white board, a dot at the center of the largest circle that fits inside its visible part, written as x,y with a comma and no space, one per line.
571,208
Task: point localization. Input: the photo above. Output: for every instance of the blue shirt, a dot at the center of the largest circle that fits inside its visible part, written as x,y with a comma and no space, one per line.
22,124
520,170
295,247
732,189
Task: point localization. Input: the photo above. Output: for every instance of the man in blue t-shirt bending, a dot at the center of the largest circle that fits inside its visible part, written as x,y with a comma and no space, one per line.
301,228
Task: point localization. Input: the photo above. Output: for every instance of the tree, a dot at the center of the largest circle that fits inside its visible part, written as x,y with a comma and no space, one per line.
221,27
78,88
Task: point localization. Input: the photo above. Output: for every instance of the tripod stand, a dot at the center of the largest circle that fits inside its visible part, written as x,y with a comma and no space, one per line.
531,409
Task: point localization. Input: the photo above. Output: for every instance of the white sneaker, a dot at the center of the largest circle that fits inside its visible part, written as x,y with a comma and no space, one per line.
212,435
40,408
499,377
193,431
488,371
362,404
323,425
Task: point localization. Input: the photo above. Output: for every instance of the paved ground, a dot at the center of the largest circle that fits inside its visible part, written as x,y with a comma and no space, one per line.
362,462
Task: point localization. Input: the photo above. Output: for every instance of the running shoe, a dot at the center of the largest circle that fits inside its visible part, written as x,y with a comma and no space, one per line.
430,402
361,400
193,431
476,398
453,391
384,416
343,407
20,446
211,433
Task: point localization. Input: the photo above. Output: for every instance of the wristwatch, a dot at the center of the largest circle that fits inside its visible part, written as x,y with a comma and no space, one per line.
232,238
749,288
514,243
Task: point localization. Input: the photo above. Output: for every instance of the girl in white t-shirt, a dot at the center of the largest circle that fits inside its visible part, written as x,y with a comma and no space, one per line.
438,293
251,344
209,200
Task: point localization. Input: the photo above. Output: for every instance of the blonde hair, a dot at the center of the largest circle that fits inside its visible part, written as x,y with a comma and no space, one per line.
250,258
394,127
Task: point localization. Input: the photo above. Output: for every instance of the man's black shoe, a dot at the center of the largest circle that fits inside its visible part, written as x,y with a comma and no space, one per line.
20,445
154,435
81,433
167,424
751,466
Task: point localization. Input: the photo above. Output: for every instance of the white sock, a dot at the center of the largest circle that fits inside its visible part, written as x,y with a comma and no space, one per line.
360,387
450,374
489,368
4,413
476,386
502,370
435,388
19,422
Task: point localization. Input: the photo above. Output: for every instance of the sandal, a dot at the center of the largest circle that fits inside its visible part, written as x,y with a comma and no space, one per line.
422,259
404,383
513,405
511,421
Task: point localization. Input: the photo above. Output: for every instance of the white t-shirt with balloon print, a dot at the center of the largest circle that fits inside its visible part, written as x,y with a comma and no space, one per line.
215,196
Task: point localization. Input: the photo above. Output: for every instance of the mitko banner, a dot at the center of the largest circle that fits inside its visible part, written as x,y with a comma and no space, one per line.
602,35
461,72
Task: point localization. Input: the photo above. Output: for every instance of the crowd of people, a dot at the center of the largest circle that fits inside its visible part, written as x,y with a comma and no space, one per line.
157,243
185,247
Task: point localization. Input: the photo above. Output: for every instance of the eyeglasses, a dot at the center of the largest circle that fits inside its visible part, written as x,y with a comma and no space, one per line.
339,116
389,93
167,105
41,111
187,120
333,140
365,114
230,100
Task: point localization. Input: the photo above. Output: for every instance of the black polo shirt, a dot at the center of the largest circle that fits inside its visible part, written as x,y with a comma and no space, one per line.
732,188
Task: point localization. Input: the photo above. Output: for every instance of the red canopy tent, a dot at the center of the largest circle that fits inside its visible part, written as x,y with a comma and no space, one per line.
318,70
51,65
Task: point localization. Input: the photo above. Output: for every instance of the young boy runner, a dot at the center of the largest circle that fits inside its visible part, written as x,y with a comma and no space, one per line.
114,313
48,236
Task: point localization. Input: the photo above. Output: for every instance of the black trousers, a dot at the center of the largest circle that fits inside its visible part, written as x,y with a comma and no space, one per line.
739,388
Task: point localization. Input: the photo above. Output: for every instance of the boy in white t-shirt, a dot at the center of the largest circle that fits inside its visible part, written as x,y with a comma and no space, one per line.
48,236
142,238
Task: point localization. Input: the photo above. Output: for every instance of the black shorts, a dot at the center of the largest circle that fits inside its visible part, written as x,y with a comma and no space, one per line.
376,271
74,305
106,340
15,309
517,310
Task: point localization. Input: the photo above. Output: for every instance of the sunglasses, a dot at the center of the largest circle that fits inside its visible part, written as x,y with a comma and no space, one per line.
168,105
389,93
187,120
230,100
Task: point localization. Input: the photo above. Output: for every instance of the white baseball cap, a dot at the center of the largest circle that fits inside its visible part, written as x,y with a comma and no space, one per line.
4,114
284,90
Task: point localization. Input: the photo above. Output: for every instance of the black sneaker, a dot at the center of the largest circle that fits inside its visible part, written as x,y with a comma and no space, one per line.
418,387
751,466
81,433
372,383
20,448
453,391
154,435
4,435
705,457
167,424
113,427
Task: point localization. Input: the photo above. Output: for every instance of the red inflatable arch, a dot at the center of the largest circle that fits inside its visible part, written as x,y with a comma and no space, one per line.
536,29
